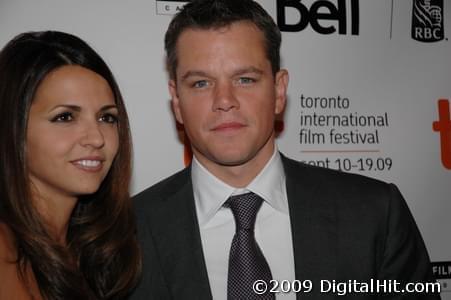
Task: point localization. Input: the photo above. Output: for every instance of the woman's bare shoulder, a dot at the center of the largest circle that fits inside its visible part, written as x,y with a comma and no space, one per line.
11,287
7,245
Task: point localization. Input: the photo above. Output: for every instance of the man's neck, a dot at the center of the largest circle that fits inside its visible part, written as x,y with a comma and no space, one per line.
240,175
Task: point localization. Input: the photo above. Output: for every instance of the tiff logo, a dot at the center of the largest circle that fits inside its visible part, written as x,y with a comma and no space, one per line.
443,126
427,20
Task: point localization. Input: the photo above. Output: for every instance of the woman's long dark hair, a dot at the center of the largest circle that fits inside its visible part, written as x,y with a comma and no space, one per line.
102,257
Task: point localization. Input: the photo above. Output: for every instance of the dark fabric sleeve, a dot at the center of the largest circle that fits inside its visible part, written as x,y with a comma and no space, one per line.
152,284
405,257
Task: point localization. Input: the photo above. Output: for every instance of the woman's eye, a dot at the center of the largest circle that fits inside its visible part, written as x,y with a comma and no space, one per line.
109,118
63,117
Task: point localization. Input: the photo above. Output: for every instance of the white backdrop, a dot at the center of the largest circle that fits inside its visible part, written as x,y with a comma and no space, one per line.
381,71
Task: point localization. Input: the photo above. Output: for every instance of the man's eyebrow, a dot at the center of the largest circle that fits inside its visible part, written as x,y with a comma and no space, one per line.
248,70
235,73
194,73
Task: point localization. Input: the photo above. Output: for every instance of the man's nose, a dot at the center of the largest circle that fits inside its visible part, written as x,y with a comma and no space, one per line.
224,97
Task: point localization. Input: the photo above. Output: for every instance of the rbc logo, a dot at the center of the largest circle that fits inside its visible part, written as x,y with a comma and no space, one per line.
443,126
319,15
427,20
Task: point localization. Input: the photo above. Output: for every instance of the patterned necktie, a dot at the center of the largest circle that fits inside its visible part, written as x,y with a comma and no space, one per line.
246,261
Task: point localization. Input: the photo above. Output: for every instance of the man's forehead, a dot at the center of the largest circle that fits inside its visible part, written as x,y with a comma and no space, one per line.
219,29
231,48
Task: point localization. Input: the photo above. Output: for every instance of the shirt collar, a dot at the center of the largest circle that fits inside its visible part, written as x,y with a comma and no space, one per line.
210,193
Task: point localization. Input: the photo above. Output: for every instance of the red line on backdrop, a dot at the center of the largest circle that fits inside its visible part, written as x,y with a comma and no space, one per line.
340,151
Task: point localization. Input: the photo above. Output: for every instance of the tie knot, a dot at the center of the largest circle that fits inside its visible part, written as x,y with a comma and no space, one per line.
244,208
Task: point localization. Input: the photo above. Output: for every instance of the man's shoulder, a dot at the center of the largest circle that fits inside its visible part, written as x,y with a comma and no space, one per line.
334,181
355,196
165,187
293,167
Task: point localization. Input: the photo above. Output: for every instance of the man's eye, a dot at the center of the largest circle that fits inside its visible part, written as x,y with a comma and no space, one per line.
109,118
246,80
200,84
63,117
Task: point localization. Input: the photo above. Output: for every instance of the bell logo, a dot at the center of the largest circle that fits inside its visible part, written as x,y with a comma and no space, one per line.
443,126
319,15
427,20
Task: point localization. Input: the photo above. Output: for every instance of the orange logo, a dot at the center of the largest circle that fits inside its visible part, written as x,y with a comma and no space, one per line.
443,126
187,152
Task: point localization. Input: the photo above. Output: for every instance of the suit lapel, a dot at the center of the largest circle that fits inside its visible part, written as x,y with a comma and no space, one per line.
313,226
180,245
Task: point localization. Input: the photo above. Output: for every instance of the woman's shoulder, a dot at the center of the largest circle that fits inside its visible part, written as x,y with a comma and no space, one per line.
7,244
7,253
11,287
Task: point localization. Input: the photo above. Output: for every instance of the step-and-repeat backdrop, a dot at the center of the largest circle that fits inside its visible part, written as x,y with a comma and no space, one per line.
370,90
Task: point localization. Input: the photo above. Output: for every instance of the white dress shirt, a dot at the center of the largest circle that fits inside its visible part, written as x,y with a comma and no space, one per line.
217,226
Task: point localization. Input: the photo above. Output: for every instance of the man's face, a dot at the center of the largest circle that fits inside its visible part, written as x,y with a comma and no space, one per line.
226,96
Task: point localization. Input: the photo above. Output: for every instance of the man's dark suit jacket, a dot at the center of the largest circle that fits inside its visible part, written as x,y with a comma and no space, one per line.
344,227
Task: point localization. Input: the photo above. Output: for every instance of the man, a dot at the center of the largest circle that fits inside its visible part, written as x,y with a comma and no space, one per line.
300,222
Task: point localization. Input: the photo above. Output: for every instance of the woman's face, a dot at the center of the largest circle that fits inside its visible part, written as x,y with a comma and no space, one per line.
72,134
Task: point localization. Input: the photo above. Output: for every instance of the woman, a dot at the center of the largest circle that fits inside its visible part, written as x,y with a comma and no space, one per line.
66,226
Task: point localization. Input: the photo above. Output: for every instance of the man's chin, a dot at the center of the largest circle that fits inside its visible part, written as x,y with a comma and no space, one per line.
232,160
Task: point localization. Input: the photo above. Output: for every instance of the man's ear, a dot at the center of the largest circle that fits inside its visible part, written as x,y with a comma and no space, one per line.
172,85
281,86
